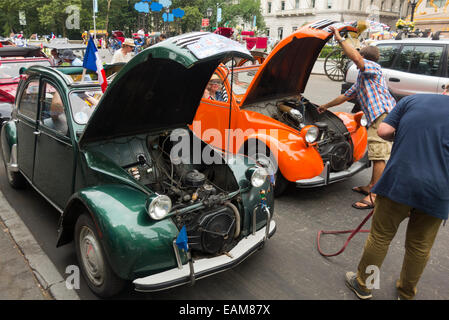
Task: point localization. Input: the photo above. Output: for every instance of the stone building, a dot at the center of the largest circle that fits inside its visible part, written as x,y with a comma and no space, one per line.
282,17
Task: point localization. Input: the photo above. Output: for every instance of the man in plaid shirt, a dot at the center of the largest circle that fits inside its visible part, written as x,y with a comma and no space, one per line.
372,92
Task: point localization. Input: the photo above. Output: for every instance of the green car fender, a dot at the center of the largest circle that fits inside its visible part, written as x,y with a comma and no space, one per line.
250,196
9,138
134,244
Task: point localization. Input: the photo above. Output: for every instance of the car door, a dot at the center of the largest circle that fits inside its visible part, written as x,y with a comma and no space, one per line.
417,70
212,119
54,160
26,126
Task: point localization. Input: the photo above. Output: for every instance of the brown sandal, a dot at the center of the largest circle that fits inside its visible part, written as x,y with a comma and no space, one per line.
369,204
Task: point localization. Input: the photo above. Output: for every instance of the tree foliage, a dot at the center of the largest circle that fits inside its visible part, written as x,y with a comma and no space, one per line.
50,16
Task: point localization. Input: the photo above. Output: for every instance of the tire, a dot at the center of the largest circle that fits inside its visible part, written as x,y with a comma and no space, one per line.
15,179
96,269
262,154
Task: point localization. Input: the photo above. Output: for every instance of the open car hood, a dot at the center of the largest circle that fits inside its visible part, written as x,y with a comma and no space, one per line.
287,68
161,87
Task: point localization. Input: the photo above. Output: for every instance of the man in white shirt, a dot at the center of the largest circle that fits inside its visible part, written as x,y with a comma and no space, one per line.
124,54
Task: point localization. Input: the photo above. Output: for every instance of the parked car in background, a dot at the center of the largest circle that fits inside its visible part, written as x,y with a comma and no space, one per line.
410,66
12,59
264,102
121,172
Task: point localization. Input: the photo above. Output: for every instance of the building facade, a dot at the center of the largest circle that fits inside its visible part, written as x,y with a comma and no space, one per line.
282,17
433,15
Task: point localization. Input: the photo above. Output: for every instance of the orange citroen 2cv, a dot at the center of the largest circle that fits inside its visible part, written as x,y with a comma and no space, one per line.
259,111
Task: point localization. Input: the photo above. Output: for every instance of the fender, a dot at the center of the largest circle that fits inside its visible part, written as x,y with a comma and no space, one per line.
358,133
295,159
131,239
9,138
250,196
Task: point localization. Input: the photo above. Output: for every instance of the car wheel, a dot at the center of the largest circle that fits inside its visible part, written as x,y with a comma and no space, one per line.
264,157
15,179
99,275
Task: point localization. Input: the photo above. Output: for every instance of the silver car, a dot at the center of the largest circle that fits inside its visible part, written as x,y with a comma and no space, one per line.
410,66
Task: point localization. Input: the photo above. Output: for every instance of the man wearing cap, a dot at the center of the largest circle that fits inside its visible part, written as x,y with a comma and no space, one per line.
124,54
69,58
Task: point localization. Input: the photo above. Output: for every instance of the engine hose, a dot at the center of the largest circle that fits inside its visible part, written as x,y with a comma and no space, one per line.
237,218
353,233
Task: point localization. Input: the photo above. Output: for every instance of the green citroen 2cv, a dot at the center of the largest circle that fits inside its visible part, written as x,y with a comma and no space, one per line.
127,174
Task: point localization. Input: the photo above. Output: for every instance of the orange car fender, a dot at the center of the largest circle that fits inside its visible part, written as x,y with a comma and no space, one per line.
295,159
358,133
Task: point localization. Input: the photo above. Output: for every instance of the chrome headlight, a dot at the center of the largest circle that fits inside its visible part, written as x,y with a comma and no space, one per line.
159,207
312,134
363,121
258,177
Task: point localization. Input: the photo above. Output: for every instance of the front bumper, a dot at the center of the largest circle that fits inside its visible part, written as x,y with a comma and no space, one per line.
326,177
206,266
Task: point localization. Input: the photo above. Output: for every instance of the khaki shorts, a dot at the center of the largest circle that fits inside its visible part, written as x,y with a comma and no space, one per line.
378,148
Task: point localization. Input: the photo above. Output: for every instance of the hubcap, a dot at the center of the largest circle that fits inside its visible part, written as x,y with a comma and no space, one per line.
91,256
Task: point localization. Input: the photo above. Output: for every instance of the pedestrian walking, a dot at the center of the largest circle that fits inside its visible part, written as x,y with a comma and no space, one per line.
372,93
414,185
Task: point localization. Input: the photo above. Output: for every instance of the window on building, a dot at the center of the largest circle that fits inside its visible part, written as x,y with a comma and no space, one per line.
296,4
360,5
294,29
280,33
269,7
267,32
282,5
382,6
349,4
312,3
329,4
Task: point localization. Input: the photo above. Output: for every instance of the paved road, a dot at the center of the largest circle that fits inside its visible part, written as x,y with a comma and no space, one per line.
289,267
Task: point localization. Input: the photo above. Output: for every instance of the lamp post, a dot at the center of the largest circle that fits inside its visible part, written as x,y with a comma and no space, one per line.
413,4
209,14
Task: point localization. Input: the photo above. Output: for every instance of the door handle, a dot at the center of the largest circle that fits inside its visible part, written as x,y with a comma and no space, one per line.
395,80
37,133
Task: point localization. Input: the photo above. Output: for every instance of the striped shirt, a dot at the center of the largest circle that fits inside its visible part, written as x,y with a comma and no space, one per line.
372,92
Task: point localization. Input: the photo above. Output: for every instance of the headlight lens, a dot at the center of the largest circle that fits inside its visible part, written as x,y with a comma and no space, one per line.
258,177
312,134
159,207
363,121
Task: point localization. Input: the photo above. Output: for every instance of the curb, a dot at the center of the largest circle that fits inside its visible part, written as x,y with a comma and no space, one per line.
43,269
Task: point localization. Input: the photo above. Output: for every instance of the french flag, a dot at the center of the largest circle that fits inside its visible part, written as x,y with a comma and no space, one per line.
93,62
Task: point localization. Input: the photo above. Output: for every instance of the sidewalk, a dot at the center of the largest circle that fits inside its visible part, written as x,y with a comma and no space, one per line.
17,281
26,272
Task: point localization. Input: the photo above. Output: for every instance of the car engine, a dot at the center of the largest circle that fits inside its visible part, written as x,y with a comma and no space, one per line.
334,142
204,197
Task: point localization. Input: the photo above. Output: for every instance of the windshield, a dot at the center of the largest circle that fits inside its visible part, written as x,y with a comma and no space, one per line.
242,80
10,69
83,104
